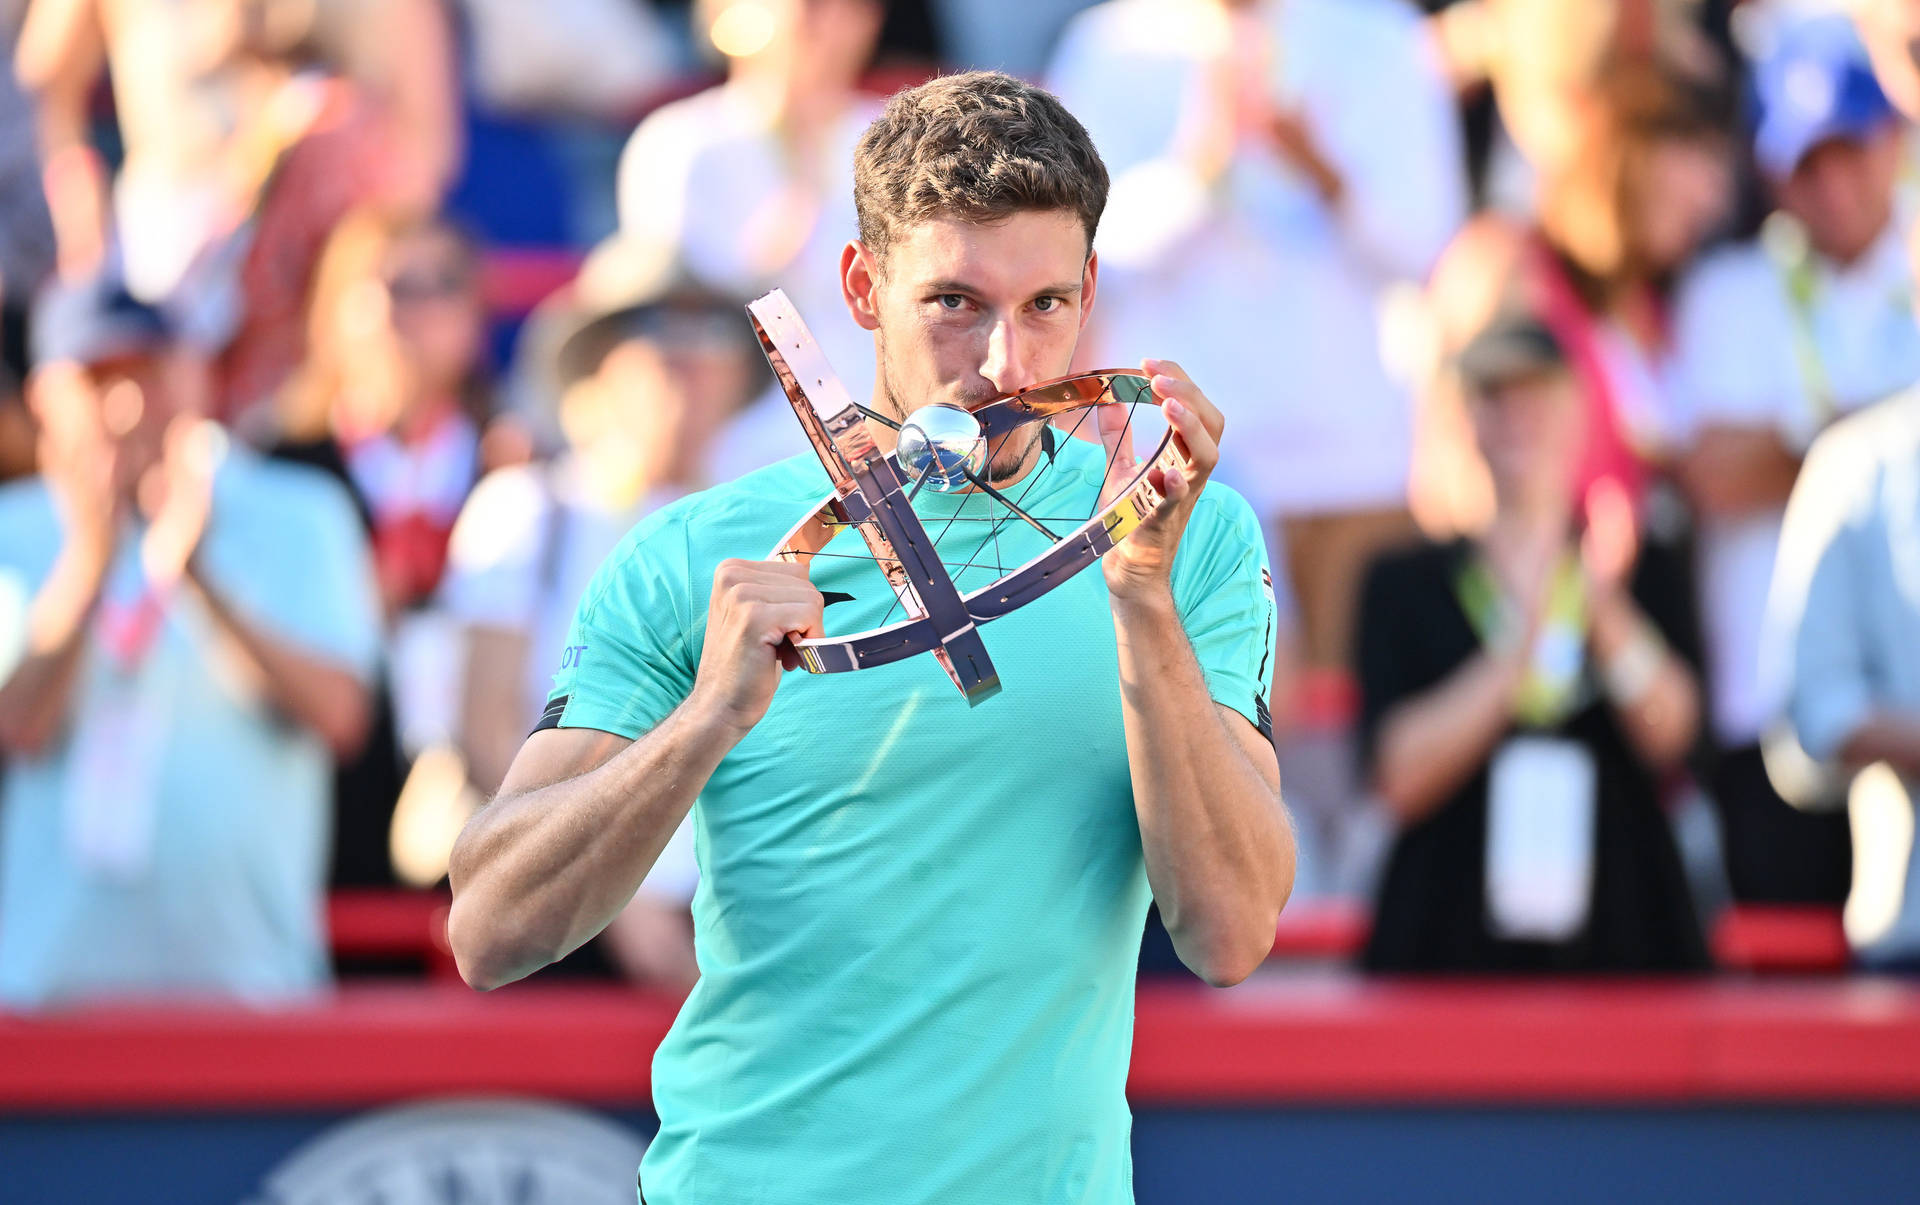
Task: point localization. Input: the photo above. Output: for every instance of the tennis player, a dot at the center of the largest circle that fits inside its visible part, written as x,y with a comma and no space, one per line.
917,922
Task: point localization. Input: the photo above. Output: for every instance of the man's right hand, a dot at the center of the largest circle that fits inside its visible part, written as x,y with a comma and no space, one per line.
755,607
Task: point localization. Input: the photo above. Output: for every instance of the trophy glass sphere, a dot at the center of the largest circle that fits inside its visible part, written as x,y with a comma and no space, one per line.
943,446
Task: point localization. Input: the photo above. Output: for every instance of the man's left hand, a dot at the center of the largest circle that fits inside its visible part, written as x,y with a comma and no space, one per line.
1141,566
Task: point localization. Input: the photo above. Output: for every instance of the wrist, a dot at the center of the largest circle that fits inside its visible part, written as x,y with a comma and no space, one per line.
1632,667
713,722
1150,602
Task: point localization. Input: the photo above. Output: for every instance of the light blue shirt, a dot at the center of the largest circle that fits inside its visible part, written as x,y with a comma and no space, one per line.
1844,611
219,821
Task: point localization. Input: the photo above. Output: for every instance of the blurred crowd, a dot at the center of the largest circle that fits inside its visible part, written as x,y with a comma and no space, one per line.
1566,349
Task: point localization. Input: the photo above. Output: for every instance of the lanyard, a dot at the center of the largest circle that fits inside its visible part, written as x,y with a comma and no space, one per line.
1553,687
1791,253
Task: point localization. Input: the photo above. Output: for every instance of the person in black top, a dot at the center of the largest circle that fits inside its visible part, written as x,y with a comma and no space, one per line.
1524,693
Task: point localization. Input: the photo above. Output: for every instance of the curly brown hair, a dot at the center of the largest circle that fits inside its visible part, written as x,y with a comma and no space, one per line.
979,146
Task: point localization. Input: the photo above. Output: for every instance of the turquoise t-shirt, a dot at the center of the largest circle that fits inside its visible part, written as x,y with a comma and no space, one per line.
917,922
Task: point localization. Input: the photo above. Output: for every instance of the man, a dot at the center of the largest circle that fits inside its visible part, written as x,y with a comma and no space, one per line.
186,634
643,370
917,922
748,181
1845,605
1772,340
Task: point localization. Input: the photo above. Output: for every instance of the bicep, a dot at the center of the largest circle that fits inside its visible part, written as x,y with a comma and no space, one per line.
558,754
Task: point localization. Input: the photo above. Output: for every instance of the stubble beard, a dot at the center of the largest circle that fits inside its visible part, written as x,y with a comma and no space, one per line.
1010,458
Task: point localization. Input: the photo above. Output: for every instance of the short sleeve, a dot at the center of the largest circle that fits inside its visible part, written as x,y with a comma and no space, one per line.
1733,361
629,657
29,544
1832,693
498,547
1812,652
1224,589
323,596
16,599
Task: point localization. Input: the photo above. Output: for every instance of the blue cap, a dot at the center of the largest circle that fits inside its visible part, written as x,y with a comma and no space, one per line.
96,320
1816,84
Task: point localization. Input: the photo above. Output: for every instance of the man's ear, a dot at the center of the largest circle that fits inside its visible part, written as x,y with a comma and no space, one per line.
860,284
1089,277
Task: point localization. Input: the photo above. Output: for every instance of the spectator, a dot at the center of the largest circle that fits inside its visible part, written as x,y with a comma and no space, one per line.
1772,340
1288,165
646,372
244,146
1311,143
1845,606
749,183
186,632
1523,692
387,402
1618,215
394,388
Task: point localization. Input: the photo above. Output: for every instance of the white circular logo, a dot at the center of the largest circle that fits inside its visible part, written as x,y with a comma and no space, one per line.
477,1152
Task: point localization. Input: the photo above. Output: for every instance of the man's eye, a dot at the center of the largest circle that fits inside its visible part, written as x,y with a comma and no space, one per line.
951,301
1046,304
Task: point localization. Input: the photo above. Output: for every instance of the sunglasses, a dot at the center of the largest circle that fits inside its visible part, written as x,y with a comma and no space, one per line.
410,288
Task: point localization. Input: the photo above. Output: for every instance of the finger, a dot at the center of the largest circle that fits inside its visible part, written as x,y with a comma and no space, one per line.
1116,436
1182,389
776,621
1198,444
1175,488
780,568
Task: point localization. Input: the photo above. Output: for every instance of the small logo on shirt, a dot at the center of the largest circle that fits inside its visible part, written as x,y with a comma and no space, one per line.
572,655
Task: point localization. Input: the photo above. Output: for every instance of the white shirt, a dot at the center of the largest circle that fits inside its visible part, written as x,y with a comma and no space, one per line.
1268,298
526,546
705,174
1737,362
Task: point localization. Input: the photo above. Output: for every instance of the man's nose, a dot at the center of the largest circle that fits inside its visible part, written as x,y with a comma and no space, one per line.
1005,364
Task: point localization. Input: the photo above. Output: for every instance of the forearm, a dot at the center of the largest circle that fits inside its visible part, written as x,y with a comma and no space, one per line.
1658,706
1733,471
1889,736
313,692
538,873
1219,850
1433,742
36,696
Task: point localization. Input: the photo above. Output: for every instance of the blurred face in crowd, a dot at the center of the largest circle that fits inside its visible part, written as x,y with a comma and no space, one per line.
1842,191
414,330
826,43
1680,195
122,407
962,311
1529,431
434,307
656,400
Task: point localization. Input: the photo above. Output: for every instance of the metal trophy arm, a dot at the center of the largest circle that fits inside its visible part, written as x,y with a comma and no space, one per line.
858,469
871,496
